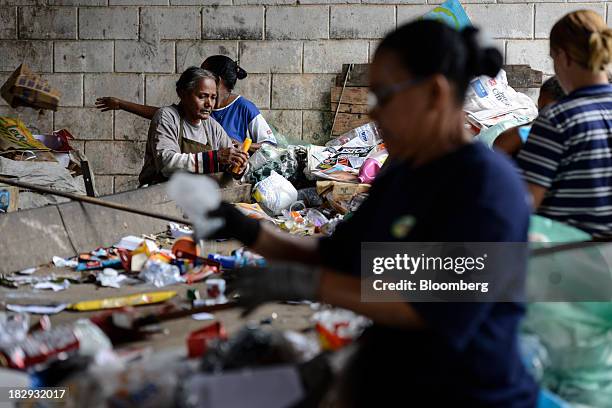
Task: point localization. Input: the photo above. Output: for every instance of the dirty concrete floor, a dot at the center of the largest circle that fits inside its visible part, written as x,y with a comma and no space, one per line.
175,332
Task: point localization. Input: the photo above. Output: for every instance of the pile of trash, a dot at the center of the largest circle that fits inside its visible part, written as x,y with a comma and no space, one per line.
492,106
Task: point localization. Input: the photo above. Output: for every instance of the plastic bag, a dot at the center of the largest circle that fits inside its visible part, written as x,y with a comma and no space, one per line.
364,135
488,136
160,274
542,229
450,12
496,96
275,193
372,165
578,341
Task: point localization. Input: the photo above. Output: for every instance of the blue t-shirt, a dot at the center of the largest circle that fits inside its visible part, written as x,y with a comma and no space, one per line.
241,118
469,355
569,152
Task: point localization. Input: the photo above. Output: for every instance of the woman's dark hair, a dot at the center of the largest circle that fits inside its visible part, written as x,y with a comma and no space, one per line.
225,68
191,77
428,47
552,87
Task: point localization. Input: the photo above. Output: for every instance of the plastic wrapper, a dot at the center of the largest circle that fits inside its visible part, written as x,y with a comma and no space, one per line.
488,136
365,135
288,162
110,278
254,211
450,12
372,165
310,197
338,327
249,347
123,301
13,327
160,274
275,193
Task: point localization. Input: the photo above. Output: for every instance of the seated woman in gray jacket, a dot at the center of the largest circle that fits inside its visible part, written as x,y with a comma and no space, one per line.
185,136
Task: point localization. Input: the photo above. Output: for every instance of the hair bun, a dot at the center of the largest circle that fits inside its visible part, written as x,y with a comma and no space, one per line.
600,50
480,60
240,73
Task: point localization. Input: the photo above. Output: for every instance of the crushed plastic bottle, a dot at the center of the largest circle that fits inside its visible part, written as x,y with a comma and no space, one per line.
160,274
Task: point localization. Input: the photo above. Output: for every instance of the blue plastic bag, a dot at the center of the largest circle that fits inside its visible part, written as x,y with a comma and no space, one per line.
452,13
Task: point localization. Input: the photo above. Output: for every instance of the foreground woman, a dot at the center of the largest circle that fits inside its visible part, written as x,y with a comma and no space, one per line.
437,187
185,137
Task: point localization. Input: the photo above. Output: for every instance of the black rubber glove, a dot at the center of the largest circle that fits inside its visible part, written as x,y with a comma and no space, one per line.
237,225
275,282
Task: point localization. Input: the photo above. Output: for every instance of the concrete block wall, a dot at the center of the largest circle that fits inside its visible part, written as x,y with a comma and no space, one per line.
292,49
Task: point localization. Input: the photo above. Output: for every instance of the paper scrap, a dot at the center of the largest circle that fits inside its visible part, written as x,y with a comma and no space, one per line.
28,271
109,277
129,242
56,287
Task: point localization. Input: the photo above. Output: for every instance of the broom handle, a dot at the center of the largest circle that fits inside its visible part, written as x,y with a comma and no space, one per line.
92,200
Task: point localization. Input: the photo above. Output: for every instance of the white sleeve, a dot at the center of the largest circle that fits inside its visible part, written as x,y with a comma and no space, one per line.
260,131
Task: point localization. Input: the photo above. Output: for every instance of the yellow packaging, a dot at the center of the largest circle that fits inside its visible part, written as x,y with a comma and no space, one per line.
27,88
14,135
123,301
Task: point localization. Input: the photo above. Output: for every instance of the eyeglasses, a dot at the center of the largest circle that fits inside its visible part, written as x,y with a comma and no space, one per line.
377,98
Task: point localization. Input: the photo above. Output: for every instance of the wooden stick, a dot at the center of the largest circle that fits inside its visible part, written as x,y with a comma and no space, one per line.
92,200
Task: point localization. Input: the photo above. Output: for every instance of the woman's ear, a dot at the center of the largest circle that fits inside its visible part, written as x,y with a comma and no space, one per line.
440,92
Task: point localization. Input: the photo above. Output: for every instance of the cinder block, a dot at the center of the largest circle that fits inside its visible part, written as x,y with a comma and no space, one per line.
78,2
71,87
193,53
104,185
85,123
264,2
200,2
356,22
256,88
316,126
130,127
139,56
271,56
126,183
406,14
399,1
546,15
308,91
23,2
115,157
129,87
503,20
177,23
138,2
47,23
287,122
232,23
534,53
161,90
532,1
533,93
373,46
323,57
35,121
297,23
114,23
83,56
37,54
8,23
329,1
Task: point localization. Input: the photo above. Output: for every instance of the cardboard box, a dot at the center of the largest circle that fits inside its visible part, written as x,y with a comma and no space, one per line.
9,198
26,88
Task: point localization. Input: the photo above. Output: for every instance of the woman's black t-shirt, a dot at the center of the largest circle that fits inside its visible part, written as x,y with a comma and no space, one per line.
469,355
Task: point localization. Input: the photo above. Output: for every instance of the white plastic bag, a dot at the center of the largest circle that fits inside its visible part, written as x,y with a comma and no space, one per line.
495,95
275,193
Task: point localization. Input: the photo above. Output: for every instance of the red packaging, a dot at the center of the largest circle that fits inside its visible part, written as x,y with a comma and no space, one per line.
197,341
39,347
